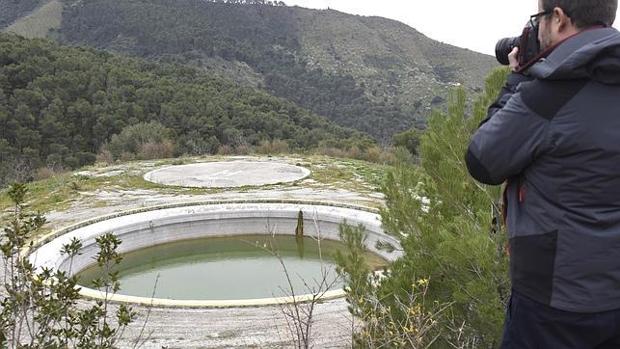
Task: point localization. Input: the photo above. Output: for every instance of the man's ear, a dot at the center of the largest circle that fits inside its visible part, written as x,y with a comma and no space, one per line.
561,20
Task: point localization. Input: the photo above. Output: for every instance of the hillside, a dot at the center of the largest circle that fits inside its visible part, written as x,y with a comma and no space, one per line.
390,59
39,22
59,106
12,10
373,74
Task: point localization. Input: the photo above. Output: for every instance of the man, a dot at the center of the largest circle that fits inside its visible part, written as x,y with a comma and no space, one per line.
554,137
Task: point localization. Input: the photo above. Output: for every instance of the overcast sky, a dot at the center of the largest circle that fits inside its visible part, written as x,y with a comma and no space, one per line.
473,24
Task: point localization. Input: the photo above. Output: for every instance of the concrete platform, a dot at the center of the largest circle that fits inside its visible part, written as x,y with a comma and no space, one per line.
228,174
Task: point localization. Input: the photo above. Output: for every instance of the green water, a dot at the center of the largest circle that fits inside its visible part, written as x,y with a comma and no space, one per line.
239,267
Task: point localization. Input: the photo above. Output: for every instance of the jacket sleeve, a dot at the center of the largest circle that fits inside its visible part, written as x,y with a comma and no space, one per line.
507,91
508,141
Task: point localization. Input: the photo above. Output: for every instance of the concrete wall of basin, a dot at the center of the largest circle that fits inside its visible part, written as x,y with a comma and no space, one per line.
164,225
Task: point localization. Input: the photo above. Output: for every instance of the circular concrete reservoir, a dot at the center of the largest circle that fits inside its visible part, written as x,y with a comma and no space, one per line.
223,268
227,174
218,255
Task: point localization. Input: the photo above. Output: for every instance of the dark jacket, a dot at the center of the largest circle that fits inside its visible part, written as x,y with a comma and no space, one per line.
556,141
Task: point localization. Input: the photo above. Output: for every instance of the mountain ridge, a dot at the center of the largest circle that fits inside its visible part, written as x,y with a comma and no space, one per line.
370,73
377,75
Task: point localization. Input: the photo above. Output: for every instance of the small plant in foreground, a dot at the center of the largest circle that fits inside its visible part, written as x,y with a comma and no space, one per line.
449,233
39,308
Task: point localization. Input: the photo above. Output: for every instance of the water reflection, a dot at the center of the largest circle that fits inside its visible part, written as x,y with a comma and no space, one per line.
239,267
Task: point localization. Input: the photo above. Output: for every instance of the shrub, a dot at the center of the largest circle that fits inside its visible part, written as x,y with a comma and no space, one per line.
225,149
409,139
448,228
142,139
46,173
275,146
243,149
105,156
39,308
195,144
162,150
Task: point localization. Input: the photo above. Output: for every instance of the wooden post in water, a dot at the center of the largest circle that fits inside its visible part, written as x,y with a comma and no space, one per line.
299,231
299,234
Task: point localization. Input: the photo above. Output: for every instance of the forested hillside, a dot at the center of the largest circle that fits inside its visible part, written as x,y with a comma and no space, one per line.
60,105
373,74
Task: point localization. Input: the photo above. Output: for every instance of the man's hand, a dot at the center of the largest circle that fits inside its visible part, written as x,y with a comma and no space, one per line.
512,58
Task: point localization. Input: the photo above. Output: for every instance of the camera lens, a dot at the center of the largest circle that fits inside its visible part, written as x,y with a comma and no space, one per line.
504,47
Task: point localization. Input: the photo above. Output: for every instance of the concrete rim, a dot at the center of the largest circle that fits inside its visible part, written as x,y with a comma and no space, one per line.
151,176
90,293
228,303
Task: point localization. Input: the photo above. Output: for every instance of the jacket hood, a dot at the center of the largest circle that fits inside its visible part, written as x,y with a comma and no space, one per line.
592,54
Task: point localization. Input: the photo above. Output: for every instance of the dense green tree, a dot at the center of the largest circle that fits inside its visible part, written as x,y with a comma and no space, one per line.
139,138
409,140
60,105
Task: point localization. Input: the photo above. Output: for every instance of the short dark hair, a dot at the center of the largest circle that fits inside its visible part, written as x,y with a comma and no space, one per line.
586,13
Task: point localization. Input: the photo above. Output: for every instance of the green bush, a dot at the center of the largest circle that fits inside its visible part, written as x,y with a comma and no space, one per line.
409,139
39,307
452,243
144,140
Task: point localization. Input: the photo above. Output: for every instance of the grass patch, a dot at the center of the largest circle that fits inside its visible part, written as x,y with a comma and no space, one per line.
60,191
54,193
5,201
123,181
354,175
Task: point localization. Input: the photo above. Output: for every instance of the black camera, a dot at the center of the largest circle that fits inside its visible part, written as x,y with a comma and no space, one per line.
528,44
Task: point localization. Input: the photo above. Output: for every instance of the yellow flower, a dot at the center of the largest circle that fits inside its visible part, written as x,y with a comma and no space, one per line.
423,282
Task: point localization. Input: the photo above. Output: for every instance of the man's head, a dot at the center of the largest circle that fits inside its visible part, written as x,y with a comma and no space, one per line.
564,18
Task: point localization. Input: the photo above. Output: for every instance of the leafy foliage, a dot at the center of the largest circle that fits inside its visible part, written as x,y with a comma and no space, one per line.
409,140
148,140
38,308
449,230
